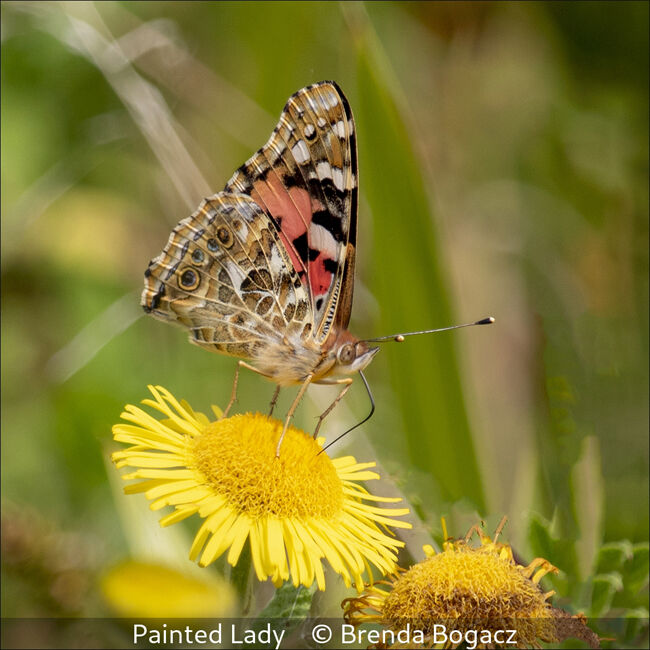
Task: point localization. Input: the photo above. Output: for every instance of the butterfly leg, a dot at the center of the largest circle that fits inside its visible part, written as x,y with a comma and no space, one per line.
274,400
294,406
233,394
348,382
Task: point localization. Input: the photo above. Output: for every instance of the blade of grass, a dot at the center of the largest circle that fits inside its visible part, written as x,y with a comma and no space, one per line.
424,374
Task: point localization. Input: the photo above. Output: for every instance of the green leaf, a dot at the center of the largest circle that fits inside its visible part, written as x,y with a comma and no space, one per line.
636,625
539,536
292,604
635,571
604,586
587,491
612,555
289,602
639,612
413,294
560,552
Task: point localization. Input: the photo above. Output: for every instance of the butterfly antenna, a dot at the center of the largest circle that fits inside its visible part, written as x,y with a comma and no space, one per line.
358,424
400,337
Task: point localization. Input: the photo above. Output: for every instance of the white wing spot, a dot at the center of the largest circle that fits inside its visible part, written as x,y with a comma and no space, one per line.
321,122
324,170
321,239
339,129
300,152
276,263
309,130
337,177
331,100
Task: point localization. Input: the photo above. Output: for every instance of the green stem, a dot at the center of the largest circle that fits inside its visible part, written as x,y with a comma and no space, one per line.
240,579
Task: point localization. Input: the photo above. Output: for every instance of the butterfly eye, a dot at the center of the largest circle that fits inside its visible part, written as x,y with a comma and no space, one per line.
346,354
189,279
224,236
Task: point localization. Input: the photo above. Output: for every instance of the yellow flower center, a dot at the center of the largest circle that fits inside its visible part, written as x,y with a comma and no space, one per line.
462,581
237,457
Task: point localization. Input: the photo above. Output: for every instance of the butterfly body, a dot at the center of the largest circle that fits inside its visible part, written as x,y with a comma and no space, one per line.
264,271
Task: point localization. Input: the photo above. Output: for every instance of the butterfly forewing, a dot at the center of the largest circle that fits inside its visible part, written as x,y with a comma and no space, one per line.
305,179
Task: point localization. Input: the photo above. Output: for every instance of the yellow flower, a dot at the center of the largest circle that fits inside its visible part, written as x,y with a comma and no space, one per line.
295,510
137,590
466,595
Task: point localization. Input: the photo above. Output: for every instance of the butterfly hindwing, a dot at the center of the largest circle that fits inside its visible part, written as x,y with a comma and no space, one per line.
305,180
225,275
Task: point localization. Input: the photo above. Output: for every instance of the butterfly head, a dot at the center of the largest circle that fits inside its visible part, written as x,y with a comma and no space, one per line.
352,355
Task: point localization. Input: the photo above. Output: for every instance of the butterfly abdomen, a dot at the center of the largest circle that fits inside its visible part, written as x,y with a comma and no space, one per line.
289,363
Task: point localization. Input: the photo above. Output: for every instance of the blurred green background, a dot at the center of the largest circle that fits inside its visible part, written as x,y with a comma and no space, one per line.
503,152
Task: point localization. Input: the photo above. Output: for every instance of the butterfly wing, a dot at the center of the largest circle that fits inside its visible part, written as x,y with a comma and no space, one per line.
226,277
305,180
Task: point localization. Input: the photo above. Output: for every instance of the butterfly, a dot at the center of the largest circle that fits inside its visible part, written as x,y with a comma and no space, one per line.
264,270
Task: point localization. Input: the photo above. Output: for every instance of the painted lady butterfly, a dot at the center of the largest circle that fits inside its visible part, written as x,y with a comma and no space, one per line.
264,270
